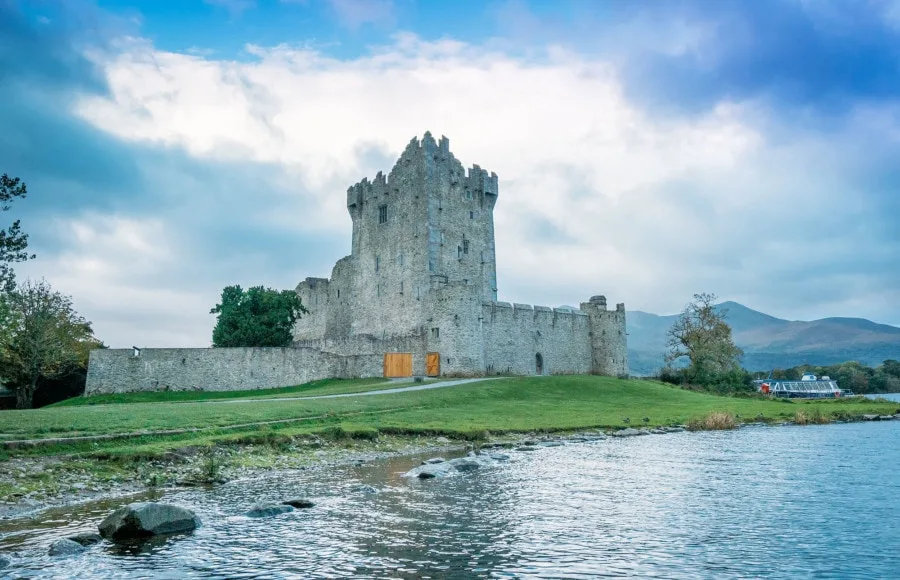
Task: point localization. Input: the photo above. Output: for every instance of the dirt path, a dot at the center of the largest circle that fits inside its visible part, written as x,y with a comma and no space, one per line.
423,387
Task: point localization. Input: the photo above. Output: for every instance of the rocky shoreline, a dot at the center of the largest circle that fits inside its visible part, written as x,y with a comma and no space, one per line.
49,482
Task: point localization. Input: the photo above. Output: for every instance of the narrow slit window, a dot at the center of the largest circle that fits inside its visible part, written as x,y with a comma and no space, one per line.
377,263
465,246
471,215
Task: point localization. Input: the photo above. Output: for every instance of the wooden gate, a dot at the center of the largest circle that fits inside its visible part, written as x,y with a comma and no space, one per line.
433,364
397,364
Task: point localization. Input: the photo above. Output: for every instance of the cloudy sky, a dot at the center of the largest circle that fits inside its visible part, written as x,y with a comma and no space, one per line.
646,150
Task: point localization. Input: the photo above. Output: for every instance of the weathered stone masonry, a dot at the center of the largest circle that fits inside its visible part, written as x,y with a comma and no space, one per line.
423,263
421,278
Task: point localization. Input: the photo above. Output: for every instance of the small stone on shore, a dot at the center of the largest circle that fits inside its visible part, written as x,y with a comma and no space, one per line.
628,432
433,460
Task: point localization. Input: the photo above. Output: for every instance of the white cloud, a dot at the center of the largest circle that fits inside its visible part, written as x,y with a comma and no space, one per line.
596,195
119,272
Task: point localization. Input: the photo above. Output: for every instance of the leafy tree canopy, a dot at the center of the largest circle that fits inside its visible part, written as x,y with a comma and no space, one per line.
13,242
258,317
43,338
702,335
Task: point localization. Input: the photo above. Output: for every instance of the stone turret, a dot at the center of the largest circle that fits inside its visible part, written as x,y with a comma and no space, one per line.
609,344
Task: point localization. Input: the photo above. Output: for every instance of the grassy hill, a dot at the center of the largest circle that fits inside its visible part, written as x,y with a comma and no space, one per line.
770,342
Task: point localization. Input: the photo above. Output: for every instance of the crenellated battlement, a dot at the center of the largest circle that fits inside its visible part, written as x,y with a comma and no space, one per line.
425,158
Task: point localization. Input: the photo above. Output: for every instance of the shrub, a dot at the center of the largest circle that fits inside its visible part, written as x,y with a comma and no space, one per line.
813,417
714,421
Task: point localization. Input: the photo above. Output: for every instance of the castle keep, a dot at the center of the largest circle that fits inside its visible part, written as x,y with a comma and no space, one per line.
416,296
423,271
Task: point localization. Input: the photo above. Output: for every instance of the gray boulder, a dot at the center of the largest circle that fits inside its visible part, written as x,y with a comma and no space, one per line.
65,547
268,510
886,418
465,464
551,444
499,456
299,503
146,519
431,470
870,417
433,460
526,448
86,539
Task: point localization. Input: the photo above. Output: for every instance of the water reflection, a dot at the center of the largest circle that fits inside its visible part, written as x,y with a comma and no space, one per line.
818,501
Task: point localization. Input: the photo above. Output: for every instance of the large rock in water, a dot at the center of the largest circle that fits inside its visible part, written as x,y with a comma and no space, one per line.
65,547
268,510
146,519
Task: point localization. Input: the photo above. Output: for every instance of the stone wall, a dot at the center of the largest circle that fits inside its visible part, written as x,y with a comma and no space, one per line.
514,334
219,369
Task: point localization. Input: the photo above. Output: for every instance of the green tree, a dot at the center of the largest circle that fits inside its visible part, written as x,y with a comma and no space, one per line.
45,338
258,317
13,242
702,336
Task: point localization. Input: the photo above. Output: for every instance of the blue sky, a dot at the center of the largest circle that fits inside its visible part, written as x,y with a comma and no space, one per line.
646,150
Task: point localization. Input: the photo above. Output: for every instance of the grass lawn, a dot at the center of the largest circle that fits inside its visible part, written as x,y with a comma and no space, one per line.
502,405
323,387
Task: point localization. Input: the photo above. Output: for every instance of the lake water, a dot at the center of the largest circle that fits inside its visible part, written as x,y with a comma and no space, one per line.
784,502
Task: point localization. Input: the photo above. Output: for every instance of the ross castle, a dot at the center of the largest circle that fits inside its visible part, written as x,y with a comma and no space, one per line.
416,297
423,268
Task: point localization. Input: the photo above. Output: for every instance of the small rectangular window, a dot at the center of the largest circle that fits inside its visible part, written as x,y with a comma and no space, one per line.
471,215
468,194
459,251
382,214
465,246
435,333
377,263
401,286
400,259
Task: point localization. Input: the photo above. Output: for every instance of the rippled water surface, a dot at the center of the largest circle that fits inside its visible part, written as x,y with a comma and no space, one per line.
790,502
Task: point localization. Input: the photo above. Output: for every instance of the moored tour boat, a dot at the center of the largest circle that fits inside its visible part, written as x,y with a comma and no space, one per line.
808,387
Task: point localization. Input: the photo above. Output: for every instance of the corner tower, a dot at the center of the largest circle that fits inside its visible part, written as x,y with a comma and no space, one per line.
609,346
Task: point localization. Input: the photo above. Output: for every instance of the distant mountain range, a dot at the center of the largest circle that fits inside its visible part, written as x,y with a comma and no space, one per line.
770,342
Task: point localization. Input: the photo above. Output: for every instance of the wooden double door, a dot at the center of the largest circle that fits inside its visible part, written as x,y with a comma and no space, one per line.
400,364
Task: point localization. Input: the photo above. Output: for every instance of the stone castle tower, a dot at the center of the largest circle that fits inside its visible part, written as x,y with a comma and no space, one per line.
422,278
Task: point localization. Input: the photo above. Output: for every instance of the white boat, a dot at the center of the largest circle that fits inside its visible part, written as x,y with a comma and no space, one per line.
808,387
